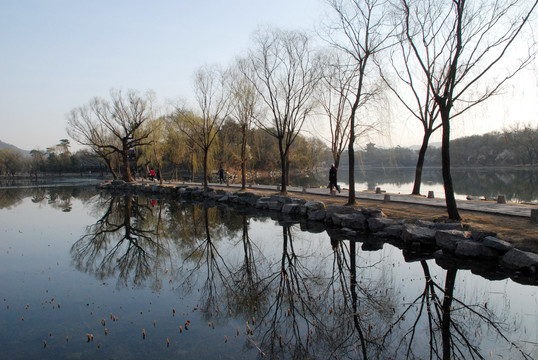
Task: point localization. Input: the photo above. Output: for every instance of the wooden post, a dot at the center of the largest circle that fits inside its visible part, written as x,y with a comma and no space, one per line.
386,198
430,195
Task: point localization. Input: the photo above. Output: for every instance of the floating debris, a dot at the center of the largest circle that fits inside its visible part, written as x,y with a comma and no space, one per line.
143,334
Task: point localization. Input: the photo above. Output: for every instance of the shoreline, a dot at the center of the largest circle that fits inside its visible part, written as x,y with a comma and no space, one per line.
419,236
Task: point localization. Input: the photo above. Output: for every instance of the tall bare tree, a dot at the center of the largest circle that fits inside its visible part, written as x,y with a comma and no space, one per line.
335,96
407,82
285,72
112,127
359,30
244,106
212,98
459,45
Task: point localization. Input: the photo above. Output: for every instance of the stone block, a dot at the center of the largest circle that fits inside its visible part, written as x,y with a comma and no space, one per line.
394,231
291,209
314,205
413,233
376,224
355,221
467,248
501,199
316,215
517,259
497,244
431,195
448,239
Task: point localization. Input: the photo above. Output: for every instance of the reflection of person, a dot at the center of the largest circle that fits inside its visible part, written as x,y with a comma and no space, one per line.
151,174
221,175
332,179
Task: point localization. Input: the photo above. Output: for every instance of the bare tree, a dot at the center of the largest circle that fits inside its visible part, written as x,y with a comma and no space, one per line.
112,127
334,96
415,96
285,73
245,101
458,46
213,102
360,32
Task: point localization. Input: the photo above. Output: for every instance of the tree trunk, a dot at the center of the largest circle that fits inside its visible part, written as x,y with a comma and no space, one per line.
243,158
192,166
420,162
109,165
206,150
283,159
447,304
354,297
451,205
351,154
127,168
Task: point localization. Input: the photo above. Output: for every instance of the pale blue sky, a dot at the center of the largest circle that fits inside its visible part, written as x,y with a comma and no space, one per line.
56,55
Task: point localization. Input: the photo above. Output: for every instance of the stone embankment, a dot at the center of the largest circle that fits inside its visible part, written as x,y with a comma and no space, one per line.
452,244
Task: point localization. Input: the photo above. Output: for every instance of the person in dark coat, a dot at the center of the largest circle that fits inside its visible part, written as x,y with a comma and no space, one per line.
221,175
332,179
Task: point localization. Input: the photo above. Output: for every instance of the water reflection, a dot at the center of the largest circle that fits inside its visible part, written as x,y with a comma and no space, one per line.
516,184
287,296
57,197
121,243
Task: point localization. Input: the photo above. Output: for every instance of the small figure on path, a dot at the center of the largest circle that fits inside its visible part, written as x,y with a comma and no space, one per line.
221,175
332,179
151,174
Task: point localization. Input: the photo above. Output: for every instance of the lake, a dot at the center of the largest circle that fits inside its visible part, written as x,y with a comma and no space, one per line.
91,275
517,185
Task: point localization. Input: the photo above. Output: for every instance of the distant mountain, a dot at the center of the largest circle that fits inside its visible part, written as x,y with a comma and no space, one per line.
4,145
435,144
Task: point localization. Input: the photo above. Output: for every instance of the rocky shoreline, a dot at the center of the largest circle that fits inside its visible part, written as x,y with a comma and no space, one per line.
452,244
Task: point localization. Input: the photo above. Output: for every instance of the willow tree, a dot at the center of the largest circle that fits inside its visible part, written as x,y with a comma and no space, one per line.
285,72
460,47
113,128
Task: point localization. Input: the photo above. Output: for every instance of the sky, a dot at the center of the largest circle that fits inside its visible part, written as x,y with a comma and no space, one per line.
57,55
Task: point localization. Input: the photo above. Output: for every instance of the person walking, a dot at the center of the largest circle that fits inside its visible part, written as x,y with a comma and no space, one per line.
221,175
332,179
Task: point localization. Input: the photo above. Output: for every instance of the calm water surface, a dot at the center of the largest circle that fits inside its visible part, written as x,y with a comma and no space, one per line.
216,283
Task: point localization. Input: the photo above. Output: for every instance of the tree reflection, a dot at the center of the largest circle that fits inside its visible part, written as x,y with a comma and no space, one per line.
303,303
118,244
248,287
451,325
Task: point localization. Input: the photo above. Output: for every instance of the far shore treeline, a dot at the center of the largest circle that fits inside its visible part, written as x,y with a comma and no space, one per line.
512,147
